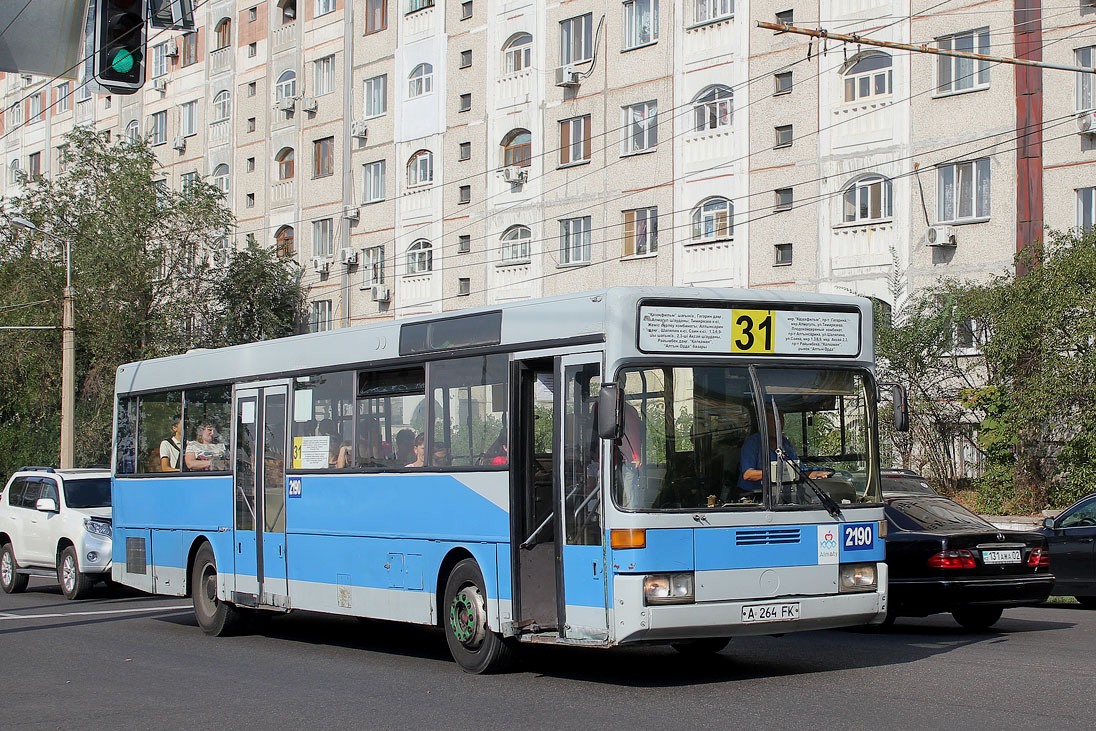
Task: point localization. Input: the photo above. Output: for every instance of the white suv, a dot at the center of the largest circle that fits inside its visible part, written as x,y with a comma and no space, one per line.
55,523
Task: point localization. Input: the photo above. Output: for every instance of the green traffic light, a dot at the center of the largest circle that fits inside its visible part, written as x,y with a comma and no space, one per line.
122,61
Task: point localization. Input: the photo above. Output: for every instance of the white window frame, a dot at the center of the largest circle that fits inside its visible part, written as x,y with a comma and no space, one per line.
62,92
711,11
420,257
713,220
576,43
220,178
713,108
34,108
640,23
160,64
222,106
640,127
323,7
323,75
1086,209
188,180
1086,83
321,316
867,200
517,54
323,237
286,85
376,96
865,85
574,137
956,75
188,118
373,266
133,131
158,131
420,81
515,244
977,196
373,181
420,169
640,231
574,240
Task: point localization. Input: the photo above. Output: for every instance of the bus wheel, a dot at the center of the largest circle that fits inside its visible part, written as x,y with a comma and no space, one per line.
11,581
701,646
215,617
474,646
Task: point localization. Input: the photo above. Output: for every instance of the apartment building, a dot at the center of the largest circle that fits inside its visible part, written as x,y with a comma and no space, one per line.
420,155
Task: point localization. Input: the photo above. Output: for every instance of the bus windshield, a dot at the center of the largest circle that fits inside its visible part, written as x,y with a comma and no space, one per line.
693,438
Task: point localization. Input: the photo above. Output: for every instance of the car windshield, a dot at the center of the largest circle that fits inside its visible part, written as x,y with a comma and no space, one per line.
925,512
906,483
89,493
691,438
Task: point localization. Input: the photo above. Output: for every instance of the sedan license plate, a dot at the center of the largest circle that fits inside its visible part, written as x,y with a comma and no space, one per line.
784,612
998,557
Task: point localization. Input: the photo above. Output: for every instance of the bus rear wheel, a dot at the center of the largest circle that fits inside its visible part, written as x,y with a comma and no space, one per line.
475,647
215,617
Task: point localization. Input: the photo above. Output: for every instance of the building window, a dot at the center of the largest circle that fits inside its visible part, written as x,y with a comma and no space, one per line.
34,165
219,179
222,34
464,194
867,199
323,7
61,94
15,175
783,136
515,244
320,319
466,10
640,231
576,39
869,77
323,157
574,240
420,257
373,182
160,63
707,11
420,169
284,243
188,180
252,50
421,80
517,53
285,161
963,191
416,5
158,125
15,115
250,124
222,106
713,220
1086,209
517,148
189,51
787,17
323,241
286,86
782,199
465,102
464,244
34,108
323,75
640,23
252,14
251,88
373,266
376,96
133,131
188,119
640,127
1086,83
464,151
782,82
961,74
249,200
250,165
713,108
465,59
376,15
574,140
782,255
464,284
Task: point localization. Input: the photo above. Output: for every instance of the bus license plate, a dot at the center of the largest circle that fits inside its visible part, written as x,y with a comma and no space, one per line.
770,612
992,557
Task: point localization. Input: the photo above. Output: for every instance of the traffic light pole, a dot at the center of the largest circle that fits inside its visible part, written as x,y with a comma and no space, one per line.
68,370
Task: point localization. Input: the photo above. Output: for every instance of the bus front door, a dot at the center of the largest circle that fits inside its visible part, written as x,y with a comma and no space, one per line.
260,450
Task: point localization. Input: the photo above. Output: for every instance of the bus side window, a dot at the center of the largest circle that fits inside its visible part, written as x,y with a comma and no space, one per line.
468,404
323,420
582,456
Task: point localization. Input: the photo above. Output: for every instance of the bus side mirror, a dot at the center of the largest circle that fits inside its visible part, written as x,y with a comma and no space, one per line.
901,408
609,412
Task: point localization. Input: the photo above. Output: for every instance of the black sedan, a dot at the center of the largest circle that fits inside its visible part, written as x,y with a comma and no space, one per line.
944,558
1072,540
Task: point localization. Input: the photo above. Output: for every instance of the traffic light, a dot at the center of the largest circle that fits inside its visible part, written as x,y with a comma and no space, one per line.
120,45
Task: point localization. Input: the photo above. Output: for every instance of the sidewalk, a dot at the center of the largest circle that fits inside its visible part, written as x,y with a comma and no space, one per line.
1020,522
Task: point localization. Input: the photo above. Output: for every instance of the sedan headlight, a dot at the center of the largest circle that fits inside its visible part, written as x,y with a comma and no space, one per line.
97,527
668,588
858,577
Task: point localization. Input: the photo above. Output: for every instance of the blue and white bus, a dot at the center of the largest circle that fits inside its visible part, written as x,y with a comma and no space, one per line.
585,469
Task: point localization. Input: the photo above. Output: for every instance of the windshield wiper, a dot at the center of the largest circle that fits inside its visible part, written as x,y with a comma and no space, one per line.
828,502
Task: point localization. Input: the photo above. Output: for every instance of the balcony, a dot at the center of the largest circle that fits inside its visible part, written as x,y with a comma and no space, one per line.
85,111
415,289
417,202
856,247
705,42
283,193
713,261
703,149
220,60
284,37
220,133
863,122
418,23
513,282
514,88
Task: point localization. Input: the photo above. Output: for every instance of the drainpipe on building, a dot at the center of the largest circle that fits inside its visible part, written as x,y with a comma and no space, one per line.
347,173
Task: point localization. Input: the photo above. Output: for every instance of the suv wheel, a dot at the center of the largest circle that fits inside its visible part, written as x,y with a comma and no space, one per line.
11,581
74,584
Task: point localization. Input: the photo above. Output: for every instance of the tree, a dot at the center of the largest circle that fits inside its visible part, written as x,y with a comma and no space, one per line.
260,297
142,279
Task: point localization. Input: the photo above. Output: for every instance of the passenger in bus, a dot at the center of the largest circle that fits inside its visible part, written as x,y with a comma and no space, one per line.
207,451
171,448
340,453
441,456
751,462
498,454
405,446
420,451
373,451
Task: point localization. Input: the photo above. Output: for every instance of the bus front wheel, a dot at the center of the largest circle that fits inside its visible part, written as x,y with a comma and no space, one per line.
215,617
475,647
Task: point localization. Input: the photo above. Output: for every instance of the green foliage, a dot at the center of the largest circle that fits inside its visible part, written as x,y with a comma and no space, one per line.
260,297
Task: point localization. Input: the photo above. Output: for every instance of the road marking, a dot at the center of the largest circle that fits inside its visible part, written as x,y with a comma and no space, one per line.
92,614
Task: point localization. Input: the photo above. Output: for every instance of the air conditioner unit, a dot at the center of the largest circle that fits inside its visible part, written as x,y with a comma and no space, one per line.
515,174
171,48
1086,122
381,293
285,104
941,236
348,256
567,76
320,264
159,84
350,213
309,104
179,143
359,130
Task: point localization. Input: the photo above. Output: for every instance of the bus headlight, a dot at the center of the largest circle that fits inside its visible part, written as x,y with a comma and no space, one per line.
668,589
857,577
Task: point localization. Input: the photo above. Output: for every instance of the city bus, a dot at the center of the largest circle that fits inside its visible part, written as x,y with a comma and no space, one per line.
569,470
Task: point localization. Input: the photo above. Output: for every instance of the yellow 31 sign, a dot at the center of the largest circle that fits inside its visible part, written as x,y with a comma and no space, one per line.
752,331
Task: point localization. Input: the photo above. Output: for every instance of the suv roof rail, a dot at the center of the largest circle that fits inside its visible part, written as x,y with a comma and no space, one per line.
97,467
35,469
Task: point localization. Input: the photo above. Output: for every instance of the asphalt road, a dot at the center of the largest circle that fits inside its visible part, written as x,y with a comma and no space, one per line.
122,660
